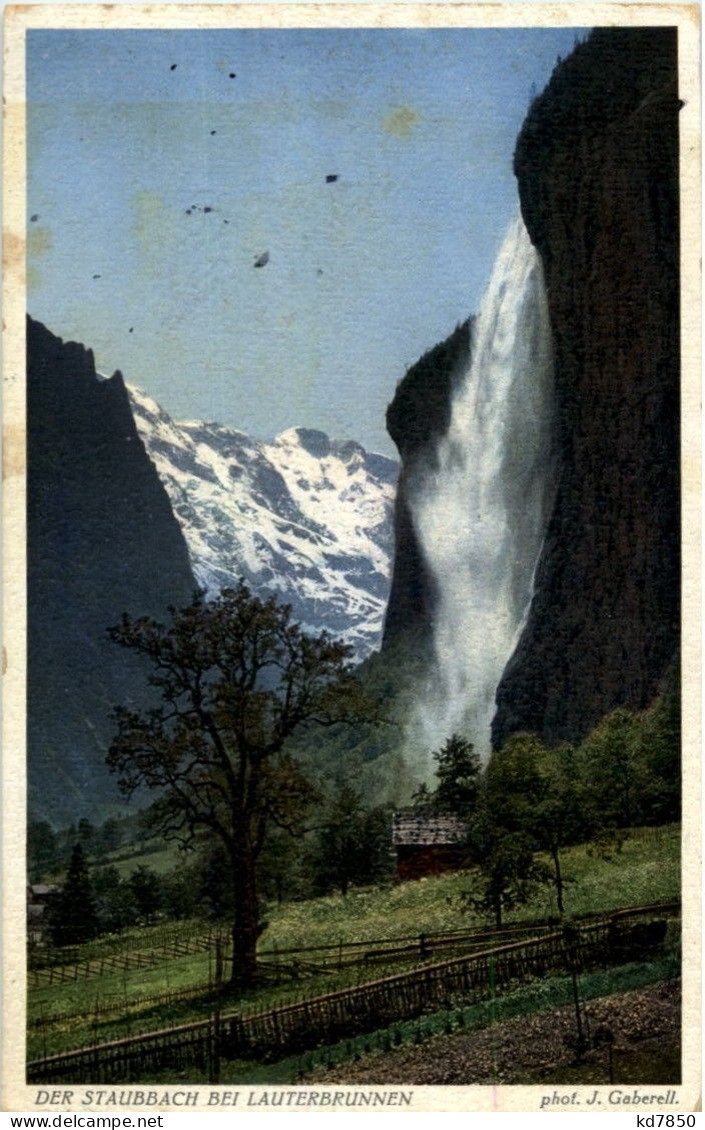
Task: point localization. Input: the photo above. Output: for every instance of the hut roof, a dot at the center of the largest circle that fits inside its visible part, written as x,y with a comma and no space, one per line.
42,890
412,827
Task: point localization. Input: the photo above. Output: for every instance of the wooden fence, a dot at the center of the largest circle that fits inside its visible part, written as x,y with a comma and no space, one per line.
410,947
306,1024
40,978
302,960
115,1006
422,947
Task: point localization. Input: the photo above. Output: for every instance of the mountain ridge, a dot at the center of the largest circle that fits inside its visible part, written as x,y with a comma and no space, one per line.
101,540
302,516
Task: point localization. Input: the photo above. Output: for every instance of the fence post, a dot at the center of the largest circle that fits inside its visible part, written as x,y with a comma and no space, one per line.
215,1025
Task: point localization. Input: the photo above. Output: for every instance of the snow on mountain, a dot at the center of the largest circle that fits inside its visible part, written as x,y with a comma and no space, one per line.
304,517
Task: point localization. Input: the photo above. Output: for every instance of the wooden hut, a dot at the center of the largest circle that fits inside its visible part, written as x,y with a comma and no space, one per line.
426,844
39,898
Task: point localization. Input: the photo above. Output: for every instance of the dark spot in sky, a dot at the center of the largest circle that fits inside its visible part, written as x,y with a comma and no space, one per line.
226,221
212,133
173,67
188,211
96,276
319,271
207,208
232,75
262,260
331,178
131,329
33,219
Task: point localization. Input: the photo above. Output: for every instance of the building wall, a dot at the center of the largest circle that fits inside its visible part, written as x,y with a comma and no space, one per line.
414,861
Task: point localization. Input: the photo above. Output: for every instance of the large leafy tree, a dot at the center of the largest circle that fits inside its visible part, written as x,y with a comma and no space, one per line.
146,887
630,763
613,768
352,845
115,902
237,679
661,753
507,870
535,792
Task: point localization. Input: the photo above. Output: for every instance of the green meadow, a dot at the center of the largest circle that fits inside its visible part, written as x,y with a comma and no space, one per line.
111,1006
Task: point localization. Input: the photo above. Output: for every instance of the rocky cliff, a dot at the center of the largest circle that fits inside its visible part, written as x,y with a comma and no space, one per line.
102,539
416,419
597,169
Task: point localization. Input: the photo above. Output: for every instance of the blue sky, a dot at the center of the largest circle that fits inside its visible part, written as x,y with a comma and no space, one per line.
364,274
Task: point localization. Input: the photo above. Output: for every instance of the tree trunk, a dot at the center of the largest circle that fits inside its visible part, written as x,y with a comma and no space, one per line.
246,927
558,879
498,912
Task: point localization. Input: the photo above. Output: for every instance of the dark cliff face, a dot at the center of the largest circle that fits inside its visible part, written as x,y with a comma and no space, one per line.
597,168
102,539
416,419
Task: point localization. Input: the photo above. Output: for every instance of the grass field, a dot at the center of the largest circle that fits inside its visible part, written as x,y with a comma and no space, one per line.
156,854
159,856
646,870
142,938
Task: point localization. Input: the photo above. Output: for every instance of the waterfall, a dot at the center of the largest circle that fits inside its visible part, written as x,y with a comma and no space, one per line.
480,512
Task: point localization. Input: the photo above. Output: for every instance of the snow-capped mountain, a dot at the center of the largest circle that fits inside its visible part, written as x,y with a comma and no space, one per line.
304,517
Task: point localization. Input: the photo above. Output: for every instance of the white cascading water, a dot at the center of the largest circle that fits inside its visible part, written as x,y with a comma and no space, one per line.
480,514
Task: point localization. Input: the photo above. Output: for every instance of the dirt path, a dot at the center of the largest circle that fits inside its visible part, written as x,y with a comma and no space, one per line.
645,1024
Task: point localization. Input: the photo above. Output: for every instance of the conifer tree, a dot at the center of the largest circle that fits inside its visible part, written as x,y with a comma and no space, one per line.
73,916
458,770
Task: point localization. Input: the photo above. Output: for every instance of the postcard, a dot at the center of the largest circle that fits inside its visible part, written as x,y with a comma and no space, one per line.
351,510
